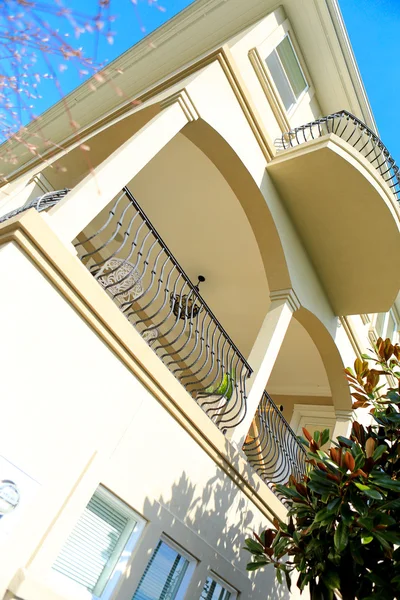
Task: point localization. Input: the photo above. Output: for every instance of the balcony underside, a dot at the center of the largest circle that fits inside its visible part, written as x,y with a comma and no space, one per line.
348,220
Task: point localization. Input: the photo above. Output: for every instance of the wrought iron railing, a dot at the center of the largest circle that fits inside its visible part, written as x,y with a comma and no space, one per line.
127,256
355,132
41,203
272,447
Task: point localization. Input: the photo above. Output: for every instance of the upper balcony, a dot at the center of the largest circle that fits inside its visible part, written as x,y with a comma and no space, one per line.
341,187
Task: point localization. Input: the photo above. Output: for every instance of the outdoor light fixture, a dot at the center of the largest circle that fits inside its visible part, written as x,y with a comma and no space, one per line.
185,306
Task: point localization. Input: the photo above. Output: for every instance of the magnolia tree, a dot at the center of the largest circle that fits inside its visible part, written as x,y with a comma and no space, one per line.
342,536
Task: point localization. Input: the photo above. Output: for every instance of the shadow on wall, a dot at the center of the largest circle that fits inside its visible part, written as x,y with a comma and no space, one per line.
186,516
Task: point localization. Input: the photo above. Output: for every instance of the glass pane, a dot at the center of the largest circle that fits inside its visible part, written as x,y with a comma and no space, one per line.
93,546
391,328
214,591
280,80
380,320
163,575
291,66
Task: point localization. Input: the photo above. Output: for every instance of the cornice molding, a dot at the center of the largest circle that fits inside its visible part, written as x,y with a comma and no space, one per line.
222,55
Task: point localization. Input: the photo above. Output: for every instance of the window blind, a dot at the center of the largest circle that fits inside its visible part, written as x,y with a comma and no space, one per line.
286,73
95,544
291,66
163,575
215,591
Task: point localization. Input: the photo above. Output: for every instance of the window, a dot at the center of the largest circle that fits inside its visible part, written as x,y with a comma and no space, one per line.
94,548
167,574
386,326
286,73
216,589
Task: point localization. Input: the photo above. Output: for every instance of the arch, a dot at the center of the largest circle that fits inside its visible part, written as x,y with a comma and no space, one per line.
218,150
330,355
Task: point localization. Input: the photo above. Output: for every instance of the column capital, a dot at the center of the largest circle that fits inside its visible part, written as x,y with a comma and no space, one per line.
344,415
288,295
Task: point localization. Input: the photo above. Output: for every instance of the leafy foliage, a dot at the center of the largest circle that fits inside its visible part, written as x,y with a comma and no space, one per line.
343,534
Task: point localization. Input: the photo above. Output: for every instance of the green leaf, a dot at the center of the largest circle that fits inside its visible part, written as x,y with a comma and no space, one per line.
385,481
341,537
288,580
279,575
334,505
382,540
391,536
253,546
366,539
347,514
345,441
331,579
362,486
358,502
325,437
373,494
393,397
253,566
322,514
369,492
391,505
367,522
379,451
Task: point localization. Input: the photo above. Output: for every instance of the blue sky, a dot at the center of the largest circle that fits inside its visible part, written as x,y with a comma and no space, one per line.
374,30
373,27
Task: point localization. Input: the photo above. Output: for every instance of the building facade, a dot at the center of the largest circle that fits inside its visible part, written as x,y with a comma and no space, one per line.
179,301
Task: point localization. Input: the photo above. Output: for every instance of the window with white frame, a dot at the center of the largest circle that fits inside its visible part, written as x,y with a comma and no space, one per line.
216,589
387,326
93,552
167,574
287,73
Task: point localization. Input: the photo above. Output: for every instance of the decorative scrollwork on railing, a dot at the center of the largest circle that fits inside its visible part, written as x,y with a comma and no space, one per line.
124,252
355,132
41,203
272,447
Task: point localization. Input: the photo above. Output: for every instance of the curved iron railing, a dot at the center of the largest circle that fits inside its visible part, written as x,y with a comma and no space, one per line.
355,132
272,447
41,203
130,260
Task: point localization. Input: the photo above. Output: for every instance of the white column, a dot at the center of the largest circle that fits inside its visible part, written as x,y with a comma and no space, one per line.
344,419
264,354
97,189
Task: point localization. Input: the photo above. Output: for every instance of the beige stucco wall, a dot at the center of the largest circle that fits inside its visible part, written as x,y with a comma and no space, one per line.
75,416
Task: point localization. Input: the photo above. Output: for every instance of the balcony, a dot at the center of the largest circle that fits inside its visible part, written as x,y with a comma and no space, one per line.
126,255
341,188
129,259
272,447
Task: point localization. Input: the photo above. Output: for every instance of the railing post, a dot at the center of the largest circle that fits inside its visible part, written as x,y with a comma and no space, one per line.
264,354
98,188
